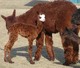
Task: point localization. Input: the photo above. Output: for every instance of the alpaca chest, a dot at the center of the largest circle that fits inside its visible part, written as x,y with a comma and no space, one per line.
50,24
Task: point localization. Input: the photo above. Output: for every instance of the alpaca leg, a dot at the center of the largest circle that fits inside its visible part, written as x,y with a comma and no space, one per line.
75,48
49,46
8,46
68,54
68,50
75,52
39,45
30,51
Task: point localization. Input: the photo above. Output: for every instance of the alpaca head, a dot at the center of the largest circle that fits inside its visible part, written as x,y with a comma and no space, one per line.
42,17
40,20
9,19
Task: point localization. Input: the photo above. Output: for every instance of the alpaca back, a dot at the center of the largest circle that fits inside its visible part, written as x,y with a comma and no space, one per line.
25,30
58,15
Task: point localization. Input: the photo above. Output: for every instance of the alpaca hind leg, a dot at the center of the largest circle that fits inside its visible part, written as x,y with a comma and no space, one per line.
68,54
68,51
7,48
75,48
30,51
75,52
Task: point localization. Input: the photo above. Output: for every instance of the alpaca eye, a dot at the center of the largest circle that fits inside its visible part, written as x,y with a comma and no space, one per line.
39,17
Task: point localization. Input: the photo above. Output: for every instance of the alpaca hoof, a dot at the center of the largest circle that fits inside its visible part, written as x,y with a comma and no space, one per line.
75,62
5,60
36,59
51,59
32,62
10,61
66,64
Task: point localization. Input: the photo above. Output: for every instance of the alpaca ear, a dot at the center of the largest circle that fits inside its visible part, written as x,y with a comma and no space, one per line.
3,17
14,13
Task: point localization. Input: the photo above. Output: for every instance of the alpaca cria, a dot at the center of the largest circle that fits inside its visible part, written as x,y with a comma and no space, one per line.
29,31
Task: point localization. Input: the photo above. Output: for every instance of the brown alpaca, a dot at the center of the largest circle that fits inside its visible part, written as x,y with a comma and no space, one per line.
58,19
30,32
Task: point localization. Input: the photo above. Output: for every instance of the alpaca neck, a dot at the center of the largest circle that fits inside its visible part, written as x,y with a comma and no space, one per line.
39,26
23,17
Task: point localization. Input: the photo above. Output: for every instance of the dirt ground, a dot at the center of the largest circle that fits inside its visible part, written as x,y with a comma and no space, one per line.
20,49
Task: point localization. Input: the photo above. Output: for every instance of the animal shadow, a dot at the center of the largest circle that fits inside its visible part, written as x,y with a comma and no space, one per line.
32,3
23,51
59,55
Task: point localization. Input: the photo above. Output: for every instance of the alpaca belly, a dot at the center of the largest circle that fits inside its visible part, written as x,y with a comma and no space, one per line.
24,33
52,31
51,28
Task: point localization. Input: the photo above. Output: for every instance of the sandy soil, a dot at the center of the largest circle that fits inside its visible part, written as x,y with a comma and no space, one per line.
19,52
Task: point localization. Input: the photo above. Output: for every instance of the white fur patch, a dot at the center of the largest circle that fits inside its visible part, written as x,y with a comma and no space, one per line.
42,17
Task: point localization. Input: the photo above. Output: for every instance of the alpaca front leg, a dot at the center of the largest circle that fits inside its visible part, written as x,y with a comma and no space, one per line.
71,49
30,51
75,48
49,46
68,51
71,53
7,48
39,44
75,52
68,54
